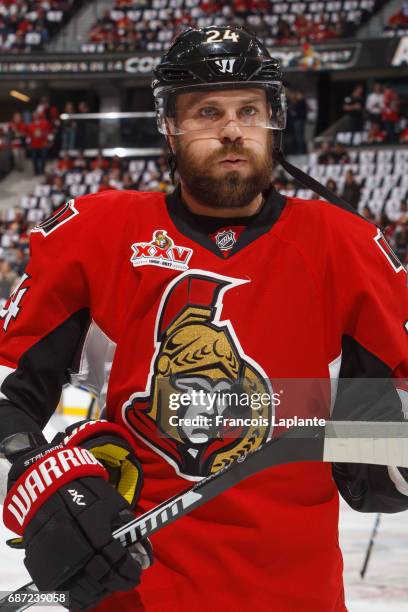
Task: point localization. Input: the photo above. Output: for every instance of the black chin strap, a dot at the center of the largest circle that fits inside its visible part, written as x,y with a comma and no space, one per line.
172,163
312,184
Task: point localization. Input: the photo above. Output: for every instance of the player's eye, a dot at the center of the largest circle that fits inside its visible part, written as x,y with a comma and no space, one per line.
209,112
249,111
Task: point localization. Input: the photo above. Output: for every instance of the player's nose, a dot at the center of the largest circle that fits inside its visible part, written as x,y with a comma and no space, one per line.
231,129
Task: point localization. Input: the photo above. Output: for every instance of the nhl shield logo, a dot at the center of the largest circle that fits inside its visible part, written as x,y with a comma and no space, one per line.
225,240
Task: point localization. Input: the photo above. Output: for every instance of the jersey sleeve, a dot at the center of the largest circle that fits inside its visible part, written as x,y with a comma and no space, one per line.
372,300
44,321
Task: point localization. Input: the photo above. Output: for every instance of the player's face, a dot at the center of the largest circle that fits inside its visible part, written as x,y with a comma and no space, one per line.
224,159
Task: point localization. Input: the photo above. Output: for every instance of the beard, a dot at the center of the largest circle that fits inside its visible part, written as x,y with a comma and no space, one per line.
232,190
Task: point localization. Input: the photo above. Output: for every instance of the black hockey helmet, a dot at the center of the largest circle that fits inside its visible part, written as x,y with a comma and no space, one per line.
225,57
214,54
216,57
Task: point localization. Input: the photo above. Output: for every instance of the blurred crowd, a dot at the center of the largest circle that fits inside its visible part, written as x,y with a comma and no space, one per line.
143,25
14,239
149,25
36,133
66,178
27,25
397,24
379,115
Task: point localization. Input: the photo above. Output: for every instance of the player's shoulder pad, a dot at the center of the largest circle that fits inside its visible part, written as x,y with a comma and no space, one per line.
338,219
347,232
107,208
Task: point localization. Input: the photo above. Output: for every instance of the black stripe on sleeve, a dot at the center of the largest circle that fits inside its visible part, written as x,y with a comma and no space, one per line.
367,488
35,386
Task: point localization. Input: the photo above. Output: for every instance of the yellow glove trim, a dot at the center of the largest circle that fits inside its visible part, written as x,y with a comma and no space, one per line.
116,456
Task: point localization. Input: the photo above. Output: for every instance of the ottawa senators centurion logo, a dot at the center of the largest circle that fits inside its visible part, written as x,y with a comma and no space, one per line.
199,358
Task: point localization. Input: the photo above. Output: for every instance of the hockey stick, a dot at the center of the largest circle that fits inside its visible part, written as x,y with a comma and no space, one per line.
370,545
379,443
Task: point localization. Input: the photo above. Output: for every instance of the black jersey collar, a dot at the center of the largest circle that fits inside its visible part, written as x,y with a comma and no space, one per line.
189,224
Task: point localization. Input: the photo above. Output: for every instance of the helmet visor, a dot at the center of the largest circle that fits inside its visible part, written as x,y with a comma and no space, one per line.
206,108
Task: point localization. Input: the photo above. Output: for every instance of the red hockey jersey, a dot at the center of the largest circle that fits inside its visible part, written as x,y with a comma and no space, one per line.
308,292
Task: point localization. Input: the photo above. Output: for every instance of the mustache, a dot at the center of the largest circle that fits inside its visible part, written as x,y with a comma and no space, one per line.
231,149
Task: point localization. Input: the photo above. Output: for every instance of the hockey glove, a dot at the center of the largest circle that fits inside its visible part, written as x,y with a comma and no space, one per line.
115,448
60,501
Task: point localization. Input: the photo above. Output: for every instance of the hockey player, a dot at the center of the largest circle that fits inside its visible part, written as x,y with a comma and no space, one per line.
223,285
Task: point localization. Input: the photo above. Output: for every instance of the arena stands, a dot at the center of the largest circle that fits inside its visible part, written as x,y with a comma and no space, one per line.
398,23
35,133
72,177
67,178
27,25
133,25
380,117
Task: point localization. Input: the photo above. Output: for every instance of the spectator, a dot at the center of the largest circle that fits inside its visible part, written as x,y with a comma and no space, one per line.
387,226
7,279
326,154
400,244
39,135
332,186
115,181
128,182
322,30
323,156
368,214
375,134
64,164
83,128
298,115
58,194
111,42
403,217
303,28
374,104
117,163
58,185
351,190
105,183
48,111
400,19
339,154
403,137
68,128
284,34
17,132
21,260
106,20
353,106
390,113
97,34
100,162
80,162
344,27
